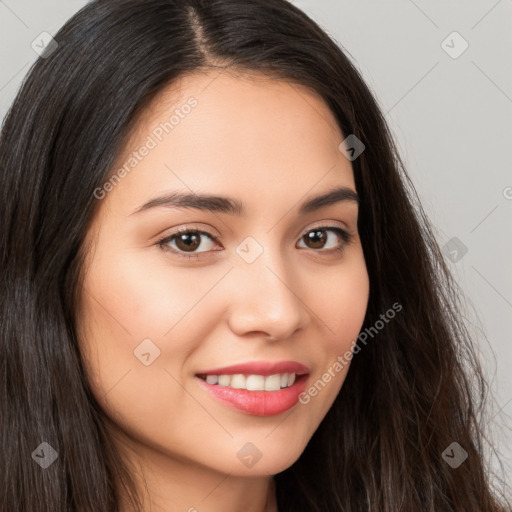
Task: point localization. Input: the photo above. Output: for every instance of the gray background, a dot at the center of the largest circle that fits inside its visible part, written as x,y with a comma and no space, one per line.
451,117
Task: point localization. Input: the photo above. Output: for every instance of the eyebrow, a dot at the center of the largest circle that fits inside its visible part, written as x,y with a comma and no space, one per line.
232,206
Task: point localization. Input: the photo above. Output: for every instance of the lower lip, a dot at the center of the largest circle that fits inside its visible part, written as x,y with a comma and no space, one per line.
258,403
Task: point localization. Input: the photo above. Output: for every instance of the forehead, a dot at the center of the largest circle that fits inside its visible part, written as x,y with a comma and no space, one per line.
237,112
240,94
228,133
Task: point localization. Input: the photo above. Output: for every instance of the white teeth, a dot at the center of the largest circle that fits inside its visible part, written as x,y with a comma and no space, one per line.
273,382
224,380
212,379
237,381
253,382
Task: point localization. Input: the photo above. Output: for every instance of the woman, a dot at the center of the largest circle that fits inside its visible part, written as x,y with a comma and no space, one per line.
219,290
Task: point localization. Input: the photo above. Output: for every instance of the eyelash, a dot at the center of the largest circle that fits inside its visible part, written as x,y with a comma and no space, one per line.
345,236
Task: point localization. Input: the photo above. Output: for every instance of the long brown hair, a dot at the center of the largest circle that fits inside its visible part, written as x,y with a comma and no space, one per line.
411,392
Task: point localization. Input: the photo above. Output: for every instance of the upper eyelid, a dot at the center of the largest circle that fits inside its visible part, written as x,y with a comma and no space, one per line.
322,224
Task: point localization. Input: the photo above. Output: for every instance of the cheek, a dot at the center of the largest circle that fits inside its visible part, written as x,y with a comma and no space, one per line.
137,310
342,304
132,316
341,307
144,296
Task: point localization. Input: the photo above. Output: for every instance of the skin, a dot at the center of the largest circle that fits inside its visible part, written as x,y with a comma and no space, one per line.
272,145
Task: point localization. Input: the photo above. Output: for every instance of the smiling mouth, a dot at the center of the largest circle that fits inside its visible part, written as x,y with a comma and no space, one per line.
252,382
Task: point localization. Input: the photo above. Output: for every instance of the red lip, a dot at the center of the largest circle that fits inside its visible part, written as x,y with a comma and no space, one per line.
260,368
258,403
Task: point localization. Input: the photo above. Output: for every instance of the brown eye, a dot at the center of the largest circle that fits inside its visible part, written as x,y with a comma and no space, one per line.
319,238
187,241
316,238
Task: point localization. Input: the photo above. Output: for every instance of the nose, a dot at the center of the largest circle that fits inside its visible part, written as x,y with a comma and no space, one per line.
264,299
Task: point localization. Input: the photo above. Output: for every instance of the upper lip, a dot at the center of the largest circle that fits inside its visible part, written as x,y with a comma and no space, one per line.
260,368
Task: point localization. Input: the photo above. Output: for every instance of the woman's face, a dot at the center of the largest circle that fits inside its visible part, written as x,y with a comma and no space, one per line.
274,283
